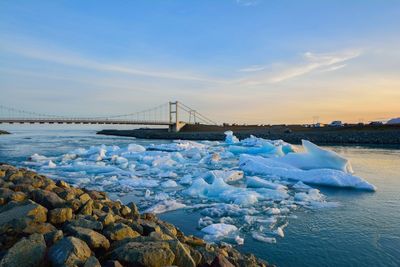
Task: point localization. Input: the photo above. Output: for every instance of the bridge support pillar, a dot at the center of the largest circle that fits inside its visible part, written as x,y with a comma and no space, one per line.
175,124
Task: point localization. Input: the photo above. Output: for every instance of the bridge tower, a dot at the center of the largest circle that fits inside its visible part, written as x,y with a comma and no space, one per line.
175,124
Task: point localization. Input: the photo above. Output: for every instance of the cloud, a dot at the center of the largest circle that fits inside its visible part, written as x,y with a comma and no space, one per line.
69,59
310,62
252,68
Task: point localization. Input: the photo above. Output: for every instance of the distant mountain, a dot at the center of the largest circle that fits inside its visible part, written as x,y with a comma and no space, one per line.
394,121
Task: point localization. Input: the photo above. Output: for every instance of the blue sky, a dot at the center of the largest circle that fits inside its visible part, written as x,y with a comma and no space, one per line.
245,61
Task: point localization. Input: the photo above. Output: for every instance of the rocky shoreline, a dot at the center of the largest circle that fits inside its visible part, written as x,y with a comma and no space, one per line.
50,223
3,132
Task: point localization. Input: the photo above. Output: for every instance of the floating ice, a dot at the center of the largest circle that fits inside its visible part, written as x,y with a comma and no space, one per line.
218,230
230,138
236,186
257,165
254,181
315,157
169,183
263,238
166,205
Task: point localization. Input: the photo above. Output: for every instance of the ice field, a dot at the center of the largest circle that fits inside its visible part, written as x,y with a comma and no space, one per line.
238,186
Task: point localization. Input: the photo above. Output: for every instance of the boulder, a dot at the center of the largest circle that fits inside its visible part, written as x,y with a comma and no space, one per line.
69,251
48,199
18,216
92,262
18,196
149,226
221,261
107,219
86,223
60,215
152,254
26,252
182,254
39,228
53,236
94,239
120,231
87,208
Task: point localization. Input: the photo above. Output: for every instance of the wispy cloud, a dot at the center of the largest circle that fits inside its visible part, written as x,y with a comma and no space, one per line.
310,62
252,68
68,59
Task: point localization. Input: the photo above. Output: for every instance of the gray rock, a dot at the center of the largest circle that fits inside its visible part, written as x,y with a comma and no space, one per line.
53,237
120,231
48,199
85,223
221,261
92,262
19,215
152,254
60,215
27,252
149,226
182,254
87,209
94,239
69,251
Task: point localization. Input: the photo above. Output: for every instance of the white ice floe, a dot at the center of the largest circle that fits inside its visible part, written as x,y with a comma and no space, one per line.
254,181
315,157
252,185
219,230
263,238
165,206
257,165
169,184
230,138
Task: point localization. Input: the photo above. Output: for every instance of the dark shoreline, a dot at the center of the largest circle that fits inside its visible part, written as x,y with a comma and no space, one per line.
3,132
353,135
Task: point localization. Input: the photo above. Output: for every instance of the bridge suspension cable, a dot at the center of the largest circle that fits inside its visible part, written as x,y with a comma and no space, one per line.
158,115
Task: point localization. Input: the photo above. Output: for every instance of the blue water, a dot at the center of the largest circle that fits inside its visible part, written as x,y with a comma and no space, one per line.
363,231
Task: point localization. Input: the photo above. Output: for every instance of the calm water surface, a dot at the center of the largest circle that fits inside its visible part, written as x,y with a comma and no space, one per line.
363,231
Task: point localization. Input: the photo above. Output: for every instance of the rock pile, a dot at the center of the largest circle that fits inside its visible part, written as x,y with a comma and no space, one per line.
50,223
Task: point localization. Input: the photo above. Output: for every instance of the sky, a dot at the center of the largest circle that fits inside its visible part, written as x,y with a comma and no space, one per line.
244,61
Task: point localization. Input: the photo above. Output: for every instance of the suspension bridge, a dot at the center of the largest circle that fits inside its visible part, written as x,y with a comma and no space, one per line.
175,115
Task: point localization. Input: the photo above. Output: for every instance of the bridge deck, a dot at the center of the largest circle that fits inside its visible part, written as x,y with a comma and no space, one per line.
83,121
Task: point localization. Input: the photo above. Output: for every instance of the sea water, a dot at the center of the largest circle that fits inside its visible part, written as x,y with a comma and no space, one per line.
363,229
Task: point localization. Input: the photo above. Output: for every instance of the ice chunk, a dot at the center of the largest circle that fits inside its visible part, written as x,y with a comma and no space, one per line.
165,206
219,229
263,238
37,158
226,175
279,232
301,185
169,183
230,138
329,177
315,157
205,221
254,181
239,240
51,164
135,148
186,180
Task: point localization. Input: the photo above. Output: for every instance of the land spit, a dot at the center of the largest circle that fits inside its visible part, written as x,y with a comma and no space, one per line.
352,135
50,223
3,132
